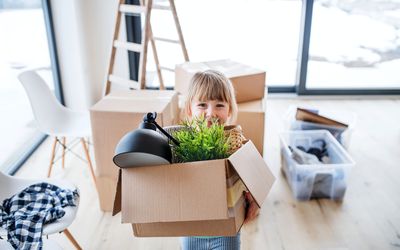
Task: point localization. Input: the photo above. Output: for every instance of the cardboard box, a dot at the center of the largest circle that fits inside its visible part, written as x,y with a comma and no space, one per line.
190,199
114,116
248,82
251,117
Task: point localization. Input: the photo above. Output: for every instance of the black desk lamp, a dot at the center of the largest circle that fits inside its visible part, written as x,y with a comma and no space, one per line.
144,146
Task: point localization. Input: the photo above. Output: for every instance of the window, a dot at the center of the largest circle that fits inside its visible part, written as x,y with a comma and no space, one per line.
260,33
23,45
354,45
305,46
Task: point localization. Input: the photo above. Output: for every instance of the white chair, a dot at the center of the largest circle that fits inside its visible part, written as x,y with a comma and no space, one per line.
54,119
10,185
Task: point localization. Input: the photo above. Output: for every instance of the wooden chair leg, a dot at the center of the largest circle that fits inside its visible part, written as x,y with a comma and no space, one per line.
52,156
85,148
72,239
64,141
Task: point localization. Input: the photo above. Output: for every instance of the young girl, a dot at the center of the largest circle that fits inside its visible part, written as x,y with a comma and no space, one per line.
211,95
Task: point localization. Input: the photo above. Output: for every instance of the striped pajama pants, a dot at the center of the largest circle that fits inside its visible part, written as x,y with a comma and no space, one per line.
212,243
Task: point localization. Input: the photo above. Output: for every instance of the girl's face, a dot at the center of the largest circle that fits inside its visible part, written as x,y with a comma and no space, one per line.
210,110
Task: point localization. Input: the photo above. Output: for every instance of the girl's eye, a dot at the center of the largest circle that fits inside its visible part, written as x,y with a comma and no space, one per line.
202,105
220,105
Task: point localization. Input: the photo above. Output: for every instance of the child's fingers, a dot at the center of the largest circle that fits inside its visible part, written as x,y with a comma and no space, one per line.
249,217
252,212
248,196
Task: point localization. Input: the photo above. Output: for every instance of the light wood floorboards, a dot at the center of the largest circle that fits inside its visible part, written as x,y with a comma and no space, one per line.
368,218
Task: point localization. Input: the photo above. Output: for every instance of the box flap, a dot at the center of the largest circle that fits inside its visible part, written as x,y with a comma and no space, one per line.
253,171
117,197
309,116
174,192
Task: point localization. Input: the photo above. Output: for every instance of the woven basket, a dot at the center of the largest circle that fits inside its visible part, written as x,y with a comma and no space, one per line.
235,137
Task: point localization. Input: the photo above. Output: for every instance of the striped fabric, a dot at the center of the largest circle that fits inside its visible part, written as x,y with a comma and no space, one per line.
214,243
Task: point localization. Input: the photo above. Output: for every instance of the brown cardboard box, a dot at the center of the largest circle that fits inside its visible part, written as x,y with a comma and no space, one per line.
115,115
249,82
251,117
190,199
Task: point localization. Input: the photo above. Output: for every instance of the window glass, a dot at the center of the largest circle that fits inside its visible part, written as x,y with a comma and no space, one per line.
355,44
23,46
260,33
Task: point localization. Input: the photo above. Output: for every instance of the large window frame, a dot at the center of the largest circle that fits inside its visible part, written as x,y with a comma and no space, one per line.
13,167
304,46
299,87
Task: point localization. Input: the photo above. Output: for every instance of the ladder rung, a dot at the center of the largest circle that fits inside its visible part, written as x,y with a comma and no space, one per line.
167,69
132,9
161,7
136,47
165,40
129,83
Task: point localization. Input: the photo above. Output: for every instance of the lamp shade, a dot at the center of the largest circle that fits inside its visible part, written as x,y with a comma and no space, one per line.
142,147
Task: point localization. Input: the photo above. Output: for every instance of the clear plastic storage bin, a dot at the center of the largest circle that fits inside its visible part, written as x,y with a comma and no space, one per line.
317,180
342,135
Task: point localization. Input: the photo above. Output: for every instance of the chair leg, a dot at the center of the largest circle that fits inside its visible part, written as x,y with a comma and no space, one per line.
52,156
72,239
85,148
64,141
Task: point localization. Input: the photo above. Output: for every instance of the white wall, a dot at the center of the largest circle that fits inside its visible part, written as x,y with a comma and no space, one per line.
84,31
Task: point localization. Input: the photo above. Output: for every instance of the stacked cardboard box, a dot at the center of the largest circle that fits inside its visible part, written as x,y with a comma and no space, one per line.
249,85
249,82
114,116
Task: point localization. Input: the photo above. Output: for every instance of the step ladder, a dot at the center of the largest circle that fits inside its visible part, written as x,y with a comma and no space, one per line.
147,35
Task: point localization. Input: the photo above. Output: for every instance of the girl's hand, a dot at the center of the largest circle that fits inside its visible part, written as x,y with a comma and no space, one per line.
252,210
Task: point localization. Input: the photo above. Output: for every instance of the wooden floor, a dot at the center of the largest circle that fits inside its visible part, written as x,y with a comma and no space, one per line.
368,217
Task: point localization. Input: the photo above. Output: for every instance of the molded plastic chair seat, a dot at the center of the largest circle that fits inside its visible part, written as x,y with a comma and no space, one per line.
52,117
71,125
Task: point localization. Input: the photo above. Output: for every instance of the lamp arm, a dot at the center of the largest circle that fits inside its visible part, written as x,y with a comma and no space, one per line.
165,133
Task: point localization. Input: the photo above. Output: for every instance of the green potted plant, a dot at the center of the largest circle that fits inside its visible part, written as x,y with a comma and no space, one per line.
200,142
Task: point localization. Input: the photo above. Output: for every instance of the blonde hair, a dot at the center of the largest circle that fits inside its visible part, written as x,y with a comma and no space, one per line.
212,85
